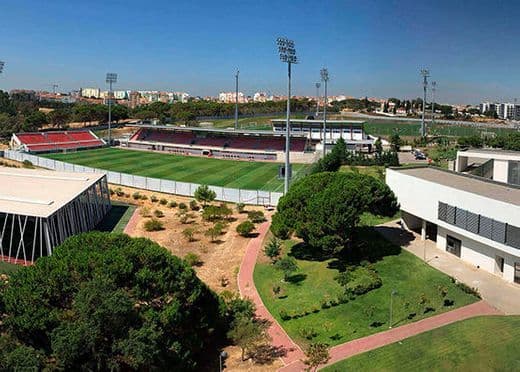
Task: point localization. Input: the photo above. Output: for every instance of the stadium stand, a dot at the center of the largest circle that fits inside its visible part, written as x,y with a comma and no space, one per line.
218,140
55,141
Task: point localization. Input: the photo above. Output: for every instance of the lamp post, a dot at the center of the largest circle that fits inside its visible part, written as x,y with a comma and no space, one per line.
2,64
222,355
236,99
318,85
325,78
425,74
287,55
434,88
392,294
111,79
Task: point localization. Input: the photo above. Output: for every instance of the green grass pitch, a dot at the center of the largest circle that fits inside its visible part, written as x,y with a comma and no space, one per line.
216,172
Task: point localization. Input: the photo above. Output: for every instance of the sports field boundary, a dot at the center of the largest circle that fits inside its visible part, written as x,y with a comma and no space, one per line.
226,194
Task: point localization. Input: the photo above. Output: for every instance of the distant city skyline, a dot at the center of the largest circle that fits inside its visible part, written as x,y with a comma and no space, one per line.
373,48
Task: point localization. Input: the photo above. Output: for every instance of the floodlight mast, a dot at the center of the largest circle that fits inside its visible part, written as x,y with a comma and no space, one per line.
318,85
324,73
236,99
2,64
110,79
287,55
434,88
425,74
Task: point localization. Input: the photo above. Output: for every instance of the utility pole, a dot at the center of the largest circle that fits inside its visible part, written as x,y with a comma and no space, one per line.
425,74
318,85
434,88
110,79
287,55
236,99
325,78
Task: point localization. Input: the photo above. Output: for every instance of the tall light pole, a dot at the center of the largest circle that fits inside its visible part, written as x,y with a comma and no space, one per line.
54,87
2,64
287,55
111,79
318,85
236,99
434,88
425,73
324,73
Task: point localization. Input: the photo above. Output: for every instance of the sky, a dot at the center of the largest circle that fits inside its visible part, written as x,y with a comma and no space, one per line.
371,48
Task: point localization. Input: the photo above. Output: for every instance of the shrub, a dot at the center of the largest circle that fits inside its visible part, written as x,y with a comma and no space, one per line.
325,304
447,302
214,232
153,225
273,249
144,197
136,195
245,228
163,201
145,212
193,259
467,289
189,233
183,206
184,219
154,199
27,164
240,207
279,228
214,213
359,280
308,333
109,189
256,216
119,192
284,315
158,213
172,204
193,205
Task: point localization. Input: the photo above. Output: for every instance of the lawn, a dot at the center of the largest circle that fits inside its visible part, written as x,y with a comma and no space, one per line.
117,218
253,122
405,128
478,344
216,172
8,268
418,286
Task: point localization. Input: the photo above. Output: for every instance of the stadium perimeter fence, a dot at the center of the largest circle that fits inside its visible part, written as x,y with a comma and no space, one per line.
255,197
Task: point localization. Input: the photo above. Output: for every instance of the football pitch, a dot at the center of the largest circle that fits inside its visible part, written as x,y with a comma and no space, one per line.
229,173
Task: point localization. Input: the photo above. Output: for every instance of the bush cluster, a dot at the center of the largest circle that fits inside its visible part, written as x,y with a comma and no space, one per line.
359,280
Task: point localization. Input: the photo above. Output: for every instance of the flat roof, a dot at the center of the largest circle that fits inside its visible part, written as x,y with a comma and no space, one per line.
313,122
215,130
40,193
488,152
476,185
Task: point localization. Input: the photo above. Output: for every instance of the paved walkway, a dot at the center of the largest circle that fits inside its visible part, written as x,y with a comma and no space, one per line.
247,288
377,340
499,293
132,222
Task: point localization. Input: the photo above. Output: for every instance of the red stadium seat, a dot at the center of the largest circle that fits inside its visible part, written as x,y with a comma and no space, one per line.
60,140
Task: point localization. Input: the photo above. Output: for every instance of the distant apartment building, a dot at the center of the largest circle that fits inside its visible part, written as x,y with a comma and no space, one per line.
260,97
506,111
90,92
230,97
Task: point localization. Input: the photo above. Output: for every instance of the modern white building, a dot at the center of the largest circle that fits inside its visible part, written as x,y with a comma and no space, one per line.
91,92
473,218
39,209
498,165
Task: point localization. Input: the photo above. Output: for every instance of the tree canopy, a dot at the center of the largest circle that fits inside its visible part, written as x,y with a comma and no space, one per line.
108,302
324,208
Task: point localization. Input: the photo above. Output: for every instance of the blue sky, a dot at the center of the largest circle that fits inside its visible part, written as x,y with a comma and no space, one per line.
373,48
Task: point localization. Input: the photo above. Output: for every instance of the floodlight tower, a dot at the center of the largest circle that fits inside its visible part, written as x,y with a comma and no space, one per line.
318,85
54,87
434,88
324,73
111,79
287,55
425,74
2,64
236,99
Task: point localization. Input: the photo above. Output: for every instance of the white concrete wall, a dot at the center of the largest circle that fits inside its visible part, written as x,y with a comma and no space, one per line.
478,254
500,170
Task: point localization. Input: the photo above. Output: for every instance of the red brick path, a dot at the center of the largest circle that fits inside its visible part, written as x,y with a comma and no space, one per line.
132,222
247,289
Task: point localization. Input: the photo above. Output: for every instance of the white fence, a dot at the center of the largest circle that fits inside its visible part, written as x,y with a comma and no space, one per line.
257,197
